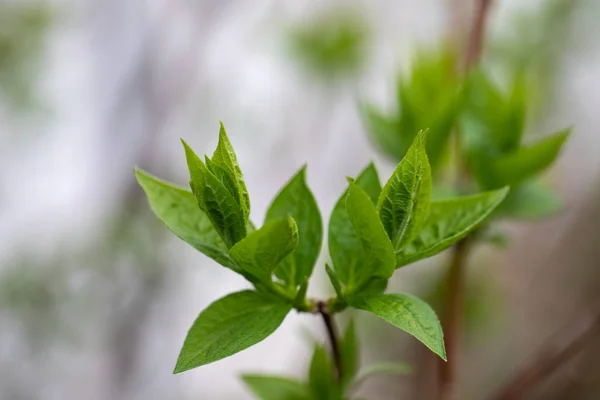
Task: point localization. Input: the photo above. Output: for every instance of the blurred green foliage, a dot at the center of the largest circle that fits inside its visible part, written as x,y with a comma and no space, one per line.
22,33
428,98
491,127
490,124
332,44
478,124
532,46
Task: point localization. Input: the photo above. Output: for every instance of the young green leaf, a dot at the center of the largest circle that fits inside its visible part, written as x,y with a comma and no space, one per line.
321,379
345,247
528,161
494,121
408,313
428,98
337,286
223,176
515,116
225,158
213,197
530,200
405,199
230,325
178,210
379,261
368,180
386,132
449,221
296,200
261,251
350,355
276,388
375,286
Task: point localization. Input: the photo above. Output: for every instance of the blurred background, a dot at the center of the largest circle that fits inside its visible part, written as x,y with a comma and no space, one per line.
96,296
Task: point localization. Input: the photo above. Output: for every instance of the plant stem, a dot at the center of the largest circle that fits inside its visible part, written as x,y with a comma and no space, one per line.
452,319
332,333
475,44
549,359
456,277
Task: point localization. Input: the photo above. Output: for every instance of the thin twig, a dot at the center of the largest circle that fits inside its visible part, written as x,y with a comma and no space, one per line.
549,359
453,318
456,277
333,338
477,36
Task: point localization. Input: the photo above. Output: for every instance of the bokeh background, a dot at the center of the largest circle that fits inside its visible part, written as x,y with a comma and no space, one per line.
96,295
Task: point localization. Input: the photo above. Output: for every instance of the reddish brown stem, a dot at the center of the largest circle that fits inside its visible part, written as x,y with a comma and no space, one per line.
477,36
550,359
332,333
452,318
452,314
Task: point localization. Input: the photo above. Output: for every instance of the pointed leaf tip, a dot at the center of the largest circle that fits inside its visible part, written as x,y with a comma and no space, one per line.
303,169
408,313
296,200
404,203
230,325
348,255
178,209
450,220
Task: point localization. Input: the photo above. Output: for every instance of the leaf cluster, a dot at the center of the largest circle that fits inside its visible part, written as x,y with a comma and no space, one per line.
490,123
373,231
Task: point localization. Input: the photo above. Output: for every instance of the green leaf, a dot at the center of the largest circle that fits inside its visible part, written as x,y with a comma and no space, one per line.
337,286
178,210
350,354
263,250
230,325
449,221
225,158
405,199
492,127
223,176
345,247
276,388
379,261
375,286
493,120
296,200
368,180
428,99
515,116
321,377
213,197
528,161
408,313
385,132
531,200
